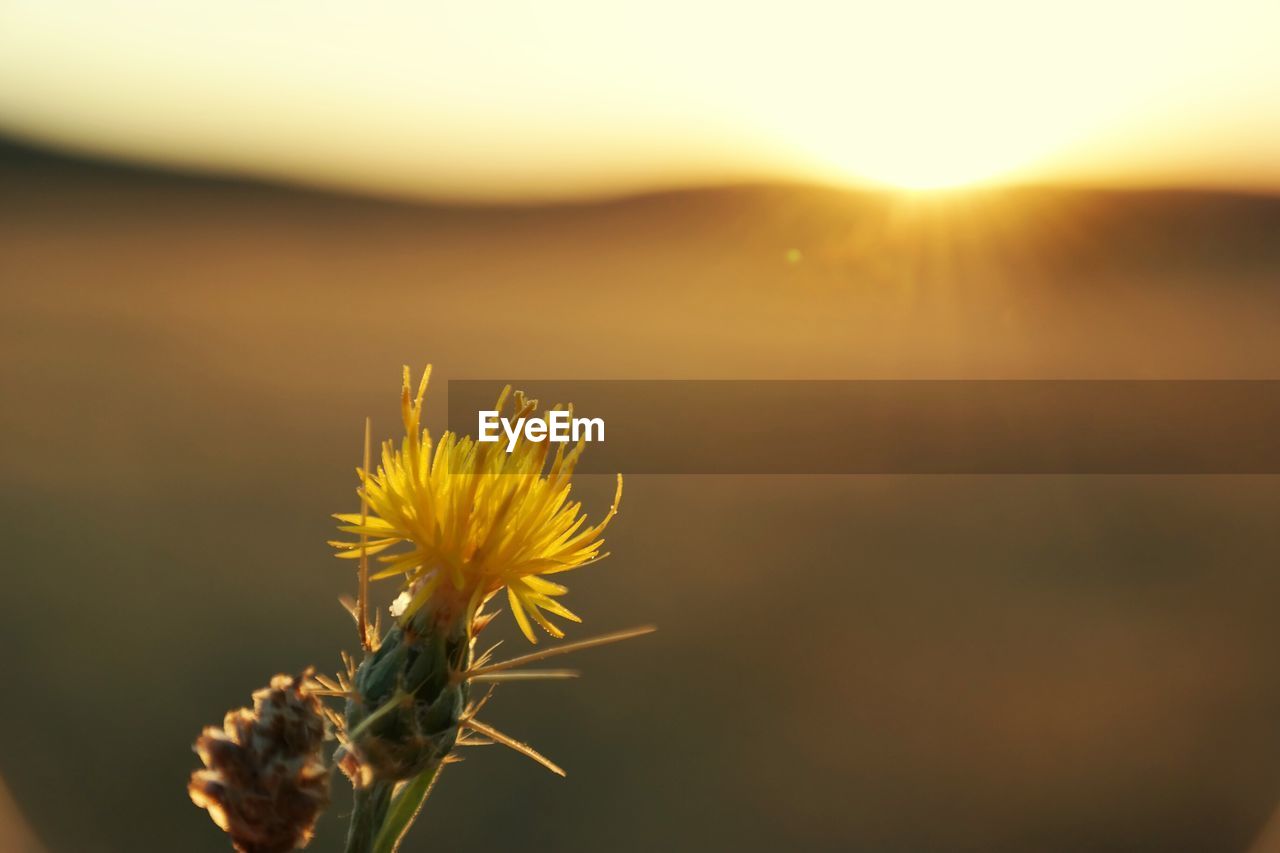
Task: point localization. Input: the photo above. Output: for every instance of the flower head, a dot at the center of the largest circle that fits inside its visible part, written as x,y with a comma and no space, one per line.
476,518
265,781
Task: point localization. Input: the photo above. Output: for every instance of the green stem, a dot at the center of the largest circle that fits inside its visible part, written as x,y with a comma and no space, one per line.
367,816
404,809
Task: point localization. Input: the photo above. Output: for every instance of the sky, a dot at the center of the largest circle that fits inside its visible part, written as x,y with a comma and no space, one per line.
567,98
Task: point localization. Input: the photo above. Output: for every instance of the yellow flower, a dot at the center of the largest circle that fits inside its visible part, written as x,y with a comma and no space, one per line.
476,519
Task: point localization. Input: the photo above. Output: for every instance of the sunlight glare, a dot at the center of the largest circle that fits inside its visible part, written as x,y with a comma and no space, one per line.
571,97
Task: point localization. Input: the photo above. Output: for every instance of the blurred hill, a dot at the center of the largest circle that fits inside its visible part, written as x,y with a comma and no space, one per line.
1170,226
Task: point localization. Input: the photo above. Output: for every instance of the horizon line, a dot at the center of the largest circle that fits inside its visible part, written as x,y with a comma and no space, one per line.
17,145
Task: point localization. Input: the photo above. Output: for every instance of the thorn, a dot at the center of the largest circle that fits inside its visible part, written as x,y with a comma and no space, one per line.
475,707
533,657
484,658
511,743
523,675
363,618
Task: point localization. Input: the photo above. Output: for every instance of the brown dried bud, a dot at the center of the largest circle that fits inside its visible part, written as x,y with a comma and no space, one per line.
265,781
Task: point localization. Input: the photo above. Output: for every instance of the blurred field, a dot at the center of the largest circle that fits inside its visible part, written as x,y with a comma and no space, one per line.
875,663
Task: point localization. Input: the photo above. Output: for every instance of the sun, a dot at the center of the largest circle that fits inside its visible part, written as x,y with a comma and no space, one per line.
929,171
924,150
948,112
923,133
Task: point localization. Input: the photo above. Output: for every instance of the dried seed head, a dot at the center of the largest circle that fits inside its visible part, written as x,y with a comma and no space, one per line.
265,781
